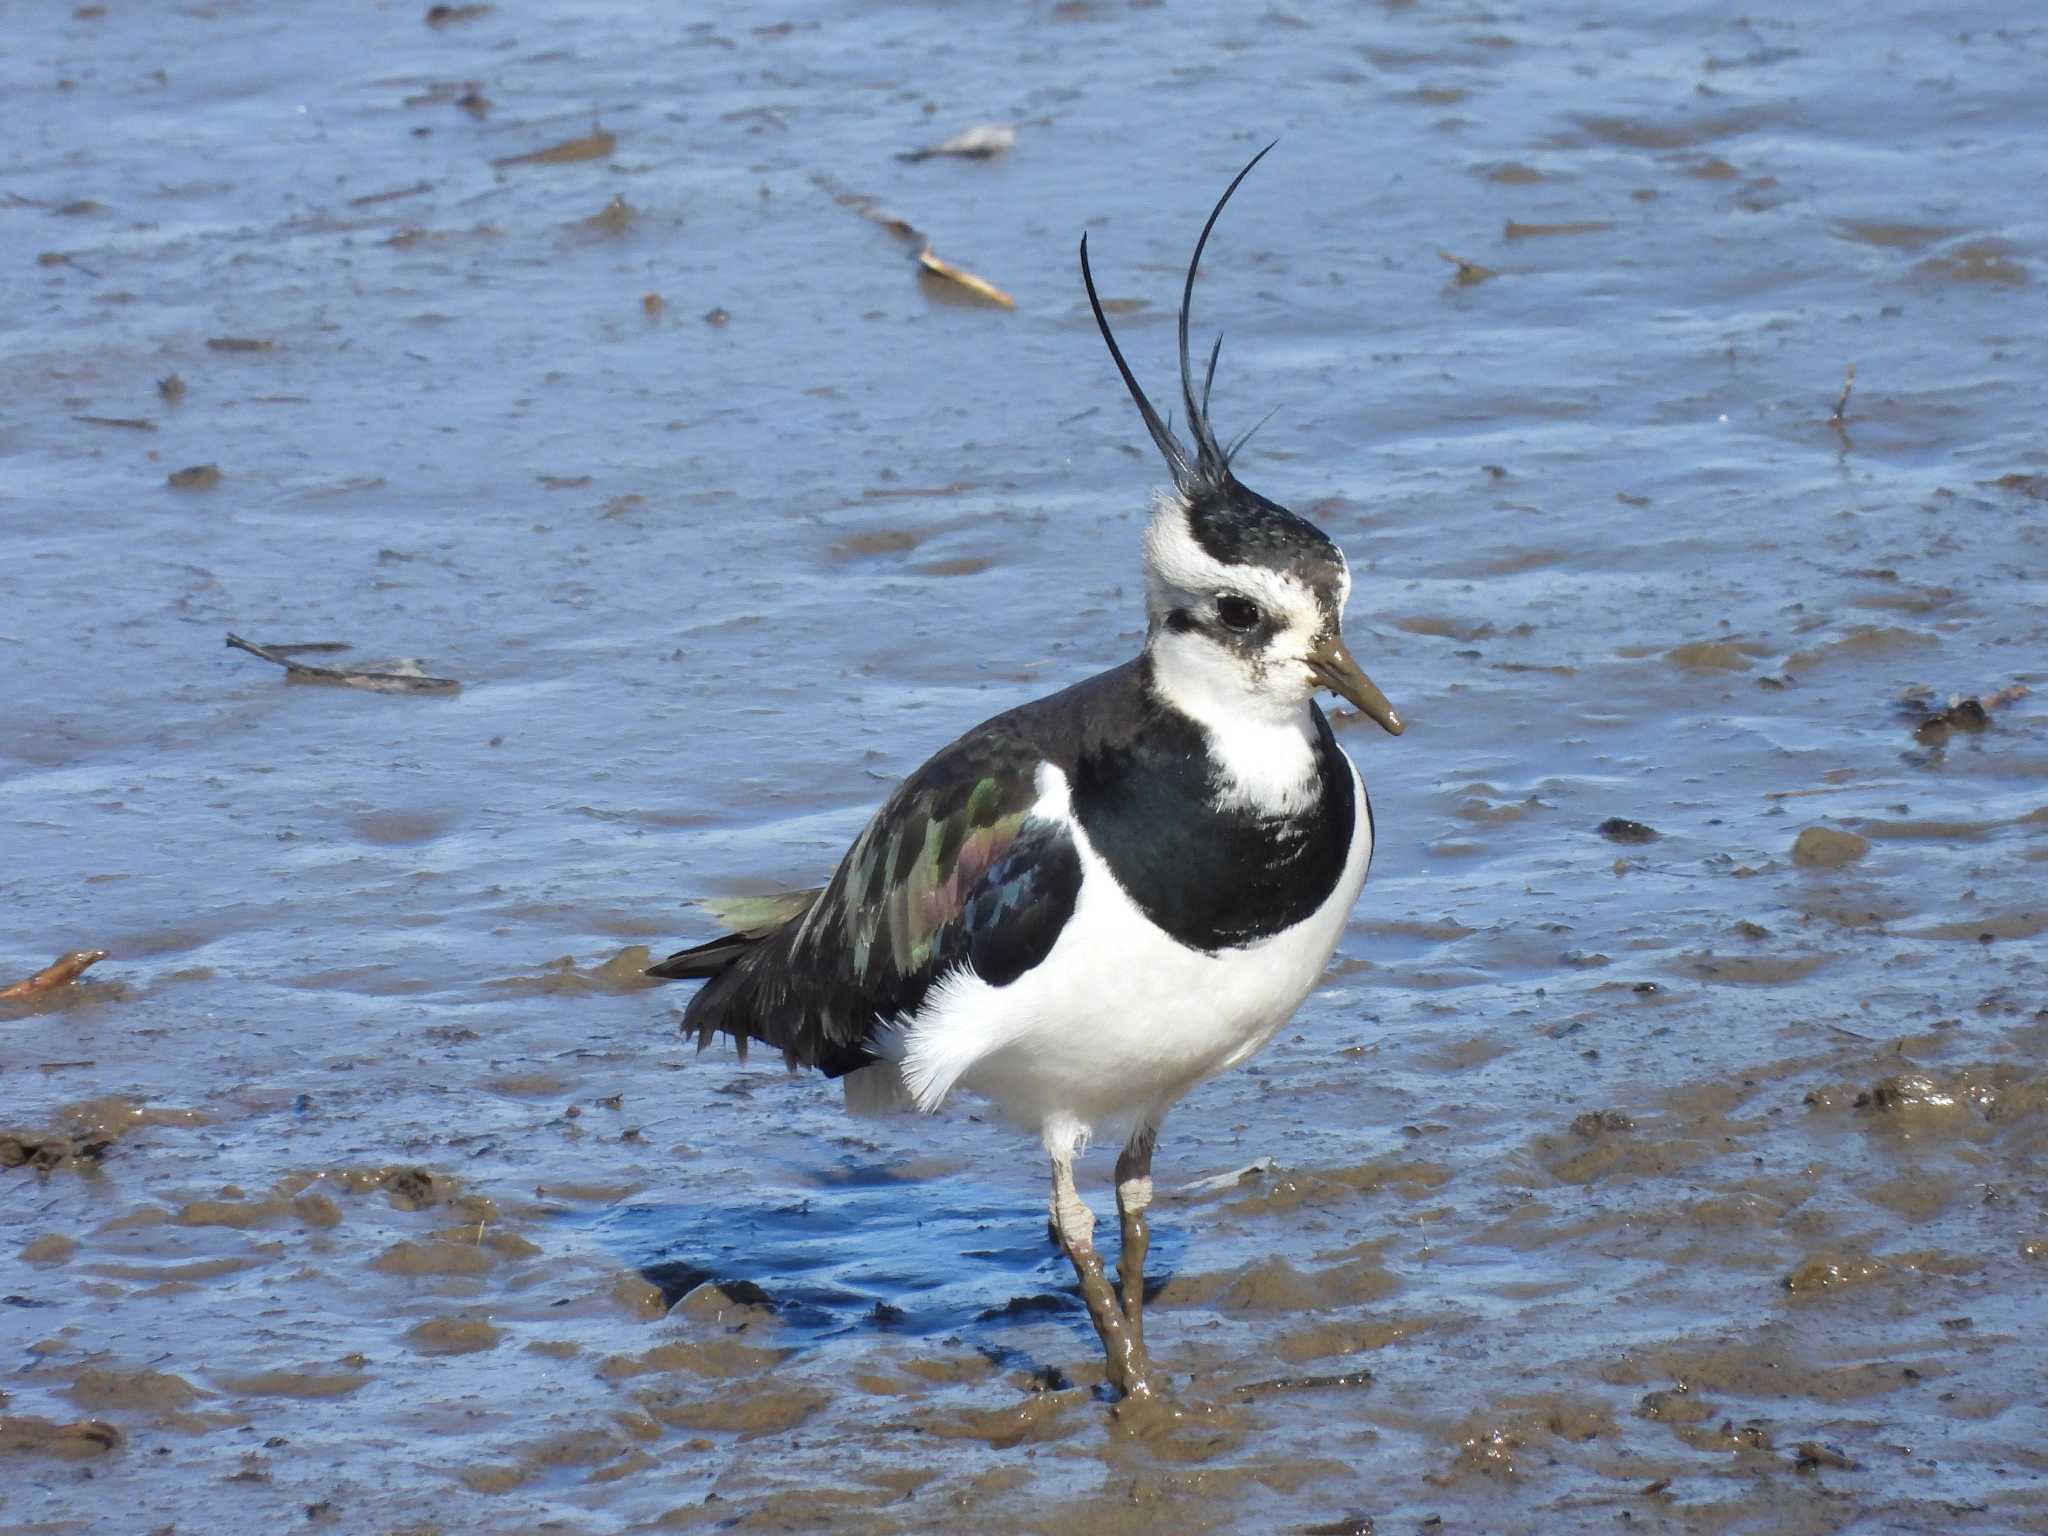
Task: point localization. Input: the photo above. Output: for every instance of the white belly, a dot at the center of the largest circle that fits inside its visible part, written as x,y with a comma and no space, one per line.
1119,1020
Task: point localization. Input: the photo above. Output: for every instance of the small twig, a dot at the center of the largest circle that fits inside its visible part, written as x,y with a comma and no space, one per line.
1842,404
1835,789
373,198
376,682
911,235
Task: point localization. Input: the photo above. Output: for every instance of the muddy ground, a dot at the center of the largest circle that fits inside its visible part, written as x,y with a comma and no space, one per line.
1666,1149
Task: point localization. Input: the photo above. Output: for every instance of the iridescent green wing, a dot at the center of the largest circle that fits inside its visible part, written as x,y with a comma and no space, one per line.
909,873
954,873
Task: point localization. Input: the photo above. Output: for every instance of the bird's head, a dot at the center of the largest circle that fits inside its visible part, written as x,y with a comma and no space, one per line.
1245,600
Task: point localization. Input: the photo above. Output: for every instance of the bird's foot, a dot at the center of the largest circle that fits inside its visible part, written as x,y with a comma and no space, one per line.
1176,1427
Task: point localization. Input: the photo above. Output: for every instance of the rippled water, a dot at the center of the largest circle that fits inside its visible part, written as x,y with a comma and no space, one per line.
1681,1183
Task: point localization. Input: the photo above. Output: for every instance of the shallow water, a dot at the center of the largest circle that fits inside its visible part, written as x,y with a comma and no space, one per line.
1684,1184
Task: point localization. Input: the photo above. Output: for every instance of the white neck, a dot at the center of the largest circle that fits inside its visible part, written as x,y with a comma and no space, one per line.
1264,745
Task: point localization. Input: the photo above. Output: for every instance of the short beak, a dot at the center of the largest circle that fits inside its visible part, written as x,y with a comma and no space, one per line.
1335,670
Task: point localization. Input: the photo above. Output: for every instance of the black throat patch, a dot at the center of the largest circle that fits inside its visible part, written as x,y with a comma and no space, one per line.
1213,879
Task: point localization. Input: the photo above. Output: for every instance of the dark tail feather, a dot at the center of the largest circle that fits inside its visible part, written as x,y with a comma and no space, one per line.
720,1005
751,918
748,994
702,960
713,964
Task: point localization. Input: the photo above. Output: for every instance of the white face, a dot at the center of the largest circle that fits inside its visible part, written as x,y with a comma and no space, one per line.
1229,638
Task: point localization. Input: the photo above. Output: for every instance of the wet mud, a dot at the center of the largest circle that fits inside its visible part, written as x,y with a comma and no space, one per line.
1665,1150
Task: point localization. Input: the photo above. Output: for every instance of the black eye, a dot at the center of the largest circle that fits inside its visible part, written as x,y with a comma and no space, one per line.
1238,613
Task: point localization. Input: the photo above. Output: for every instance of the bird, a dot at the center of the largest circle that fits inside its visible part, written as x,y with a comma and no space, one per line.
1086,906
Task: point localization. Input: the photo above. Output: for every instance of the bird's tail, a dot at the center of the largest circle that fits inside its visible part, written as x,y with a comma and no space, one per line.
752,920
702,960
748,992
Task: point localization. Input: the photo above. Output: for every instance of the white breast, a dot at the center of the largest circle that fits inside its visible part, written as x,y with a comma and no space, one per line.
1120,1019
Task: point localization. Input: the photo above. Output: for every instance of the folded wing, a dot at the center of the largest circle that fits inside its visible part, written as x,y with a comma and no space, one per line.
953,872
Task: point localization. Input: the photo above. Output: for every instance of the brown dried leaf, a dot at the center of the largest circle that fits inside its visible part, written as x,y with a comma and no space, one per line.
1519,231
594,145
980,287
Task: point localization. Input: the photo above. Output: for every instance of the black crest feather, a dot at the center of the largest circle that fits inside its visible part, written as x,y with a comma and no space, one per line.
1207,468
1234,523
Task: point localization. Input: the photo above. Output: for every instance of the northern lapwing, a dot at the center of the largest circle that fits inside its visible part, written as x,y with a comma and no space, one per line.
1089,904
